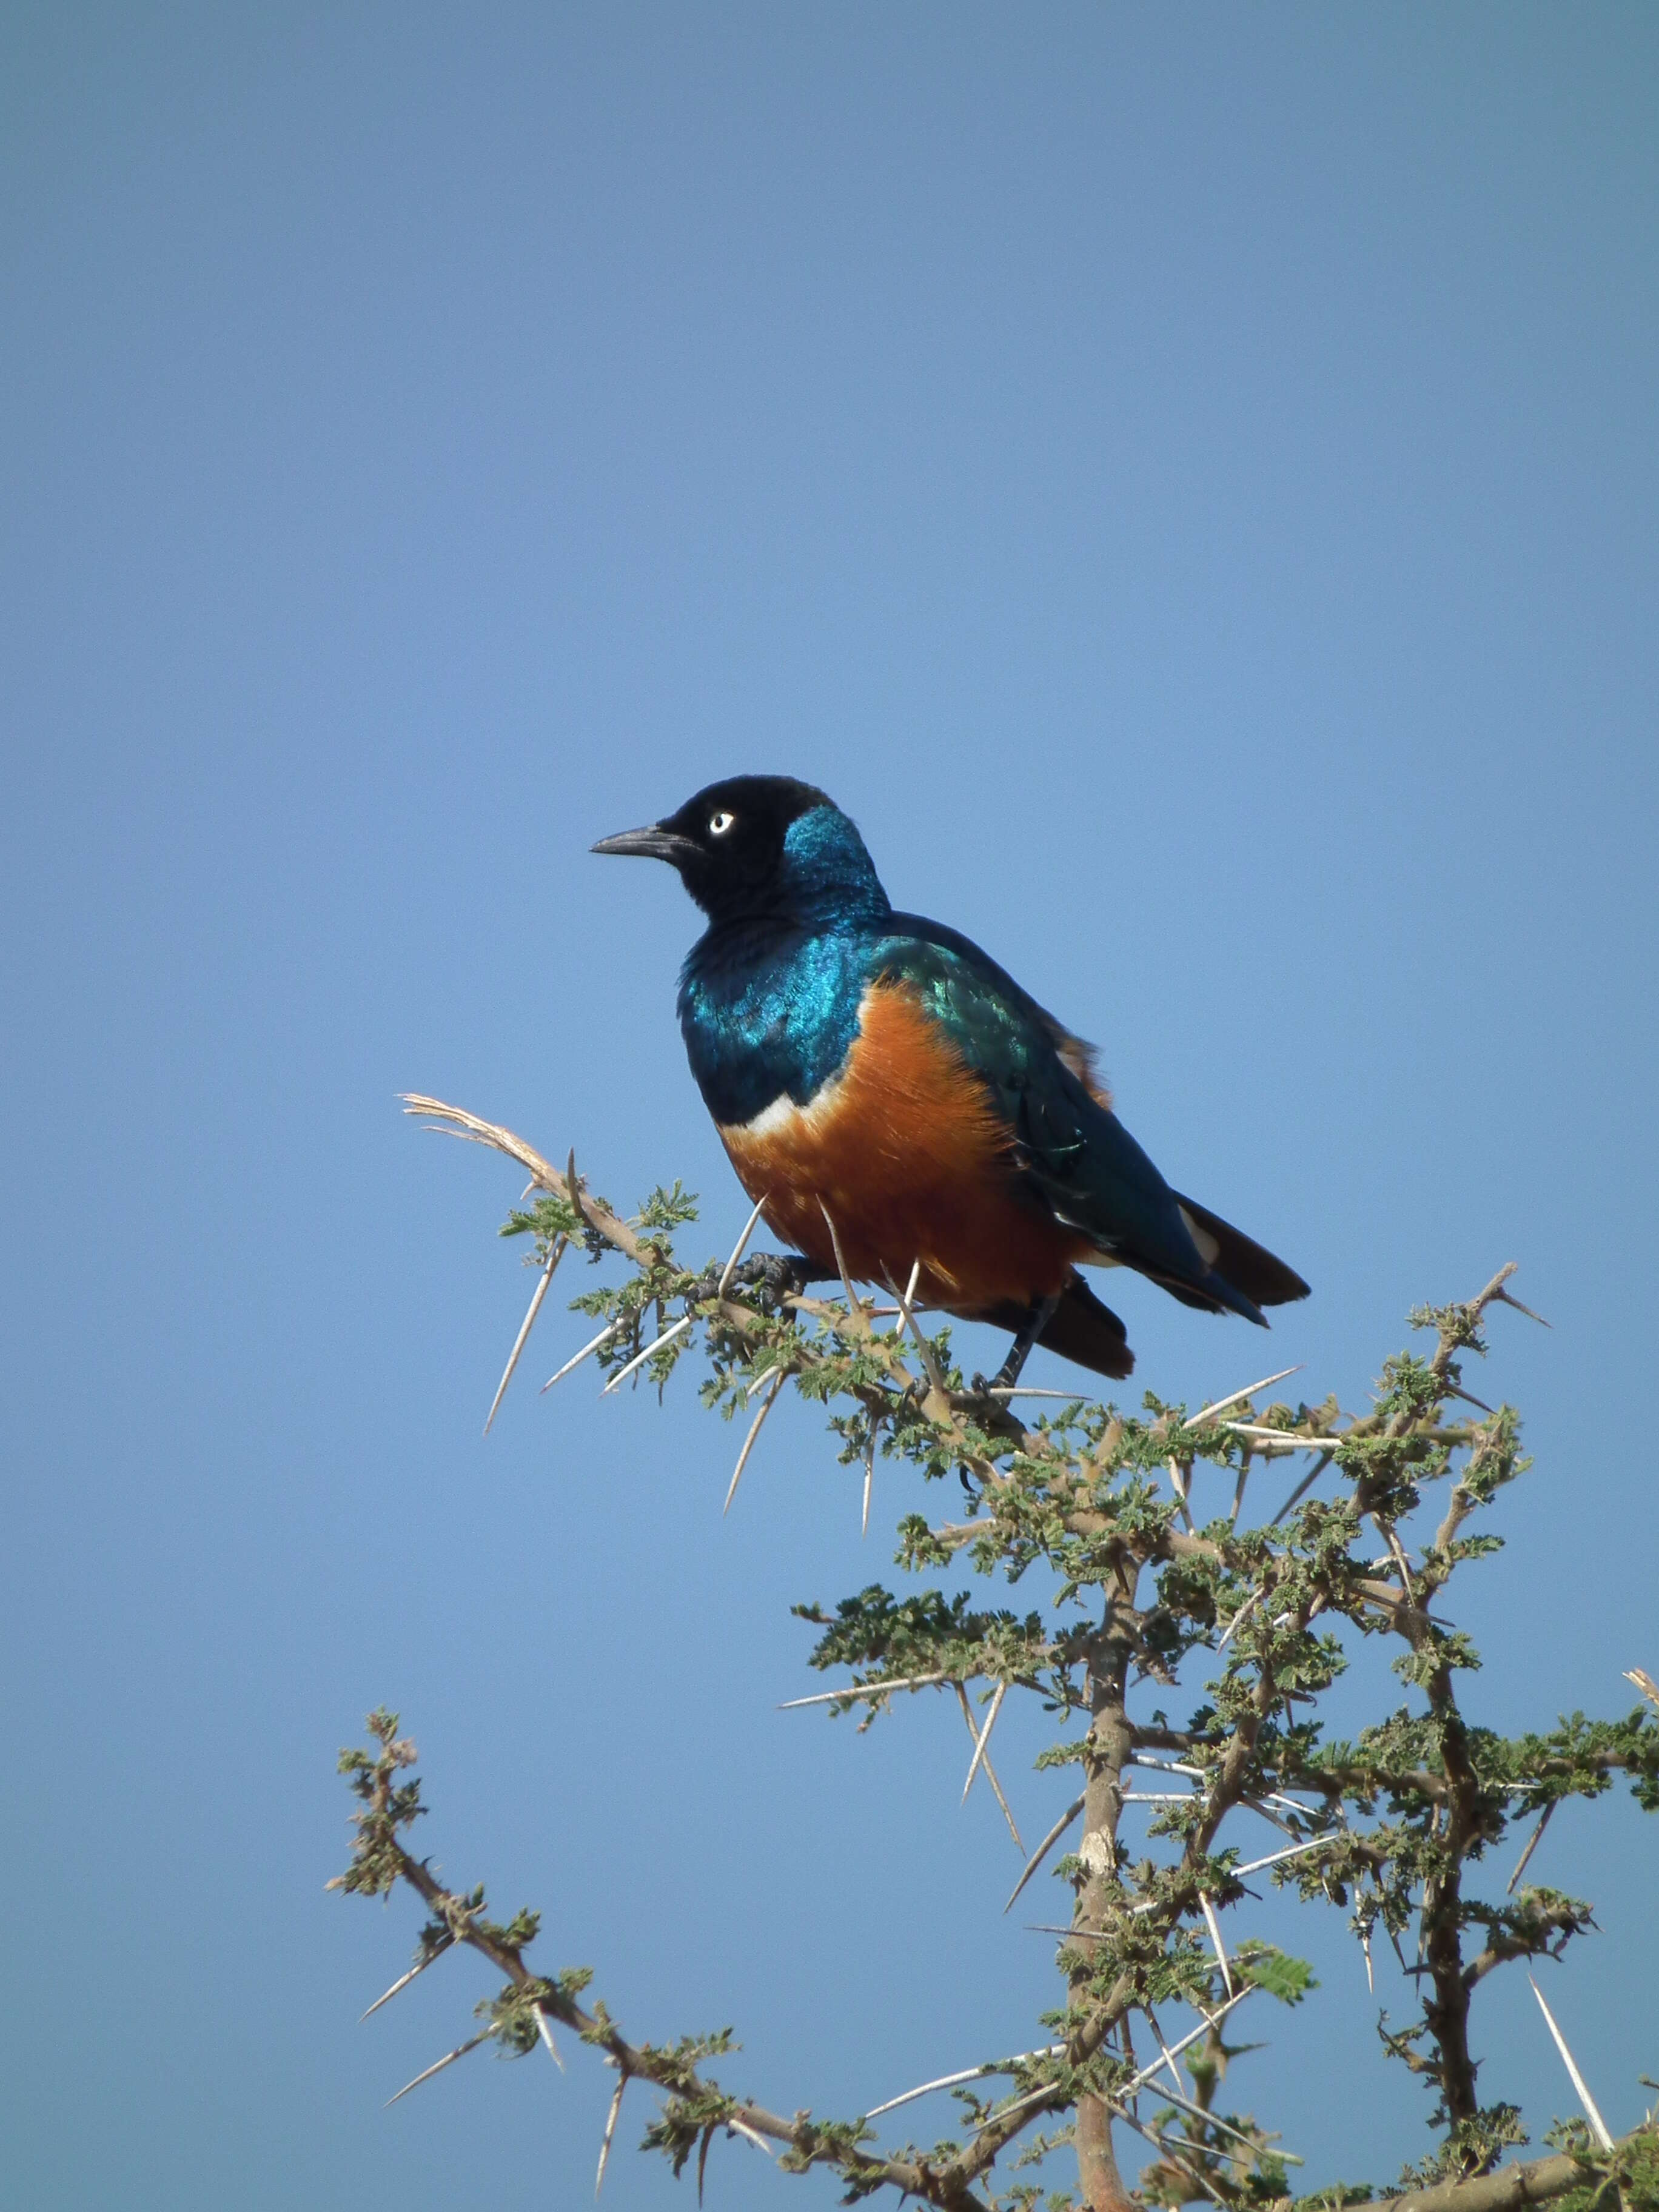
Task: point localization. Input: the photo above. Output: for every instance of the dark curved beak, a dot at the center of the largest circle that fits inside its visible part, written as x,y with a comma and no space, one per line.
654,843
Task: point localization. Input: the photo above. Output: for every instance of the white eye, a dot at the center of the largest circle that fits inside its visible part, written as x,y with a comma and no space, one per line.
720,823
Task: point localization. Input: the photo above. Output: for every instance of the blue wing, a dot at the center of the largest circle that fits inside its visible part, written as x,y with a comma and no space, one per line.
1076,1156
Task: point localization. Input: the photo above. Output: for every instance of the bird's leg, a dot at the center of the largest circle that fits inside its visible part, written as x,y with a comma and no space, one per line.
782,1274
1037,1320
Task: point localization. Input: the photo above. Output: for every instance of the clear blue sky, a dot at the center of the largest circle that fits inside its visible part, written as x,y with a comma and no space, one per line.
1184,478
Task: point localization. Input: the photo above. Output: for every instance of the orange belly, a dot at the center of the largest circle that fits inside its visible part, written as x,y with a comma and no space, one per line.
906,1153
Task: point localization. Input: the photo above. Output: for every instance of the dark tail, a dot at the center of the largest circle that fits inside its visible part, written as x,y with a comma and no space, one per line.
1247,1265
1081,1329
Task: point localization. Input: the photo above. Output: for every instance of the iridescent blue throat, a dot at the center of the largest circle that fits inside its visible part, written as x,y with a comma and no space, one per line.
769,1004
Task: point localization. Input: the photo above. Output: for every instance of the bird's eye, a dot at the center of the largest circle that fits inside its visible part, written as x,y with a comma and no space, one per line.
720,823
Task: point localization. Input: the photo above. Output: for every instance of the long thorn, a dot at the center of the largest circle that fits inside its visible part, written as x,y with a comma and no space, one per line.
1290,1851
523,1336
1248,1391
1210,2019
924,1351
1254,1600
968,2074
982,1736
854,1304
545,2029
1504,1298
609,2130
907,1300
1598,2125
1532,1845
404,1980
990,1772
767,1404
866,1690
640,1357
1306,1484
1214,1927
1024,1390
731,1266
1283,1436
586,1352
459,2051
869,1480
1181,1482
1044,1848
1238,1493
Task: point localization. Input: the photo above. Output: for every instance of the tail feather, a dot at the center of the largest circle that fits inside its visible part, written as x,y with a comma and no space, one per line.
1082,1329
1241,1262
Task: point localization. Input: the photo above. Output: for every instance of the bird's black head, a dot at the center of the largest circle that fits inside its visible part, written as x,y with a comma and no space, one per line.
763,844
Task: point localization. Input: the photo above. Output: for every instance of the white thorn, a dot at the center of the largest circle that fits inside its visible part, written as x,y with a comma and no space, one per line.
523,1336
586,1352
640,1357
448,2059
767,1404
983,1735
731,1266
1043,1848
866,1690
1214,1927
609,2130
1598,2125
1248,1391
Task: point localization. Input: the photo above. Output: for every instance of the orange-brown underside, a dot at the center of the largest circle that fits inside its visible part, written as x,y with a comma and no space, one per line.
911,1160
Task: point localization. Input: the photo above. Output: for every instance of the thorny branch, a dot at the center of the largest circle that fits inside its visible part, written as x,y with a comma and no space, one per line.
1394,1825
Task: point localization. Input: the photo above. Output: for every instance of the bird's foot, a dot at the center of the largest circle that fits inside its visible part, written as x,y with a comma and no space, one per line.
776,1275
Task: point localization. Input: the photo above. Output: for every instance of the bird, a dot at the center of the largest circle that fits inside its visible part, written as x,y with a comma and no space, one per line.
899,1108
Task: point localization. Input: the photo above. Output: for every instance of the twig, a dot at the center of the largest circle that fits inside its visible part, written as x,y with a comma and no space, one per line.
459,2051
528,1323
767,1404
1044,1847
1598,2125
1532,1845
